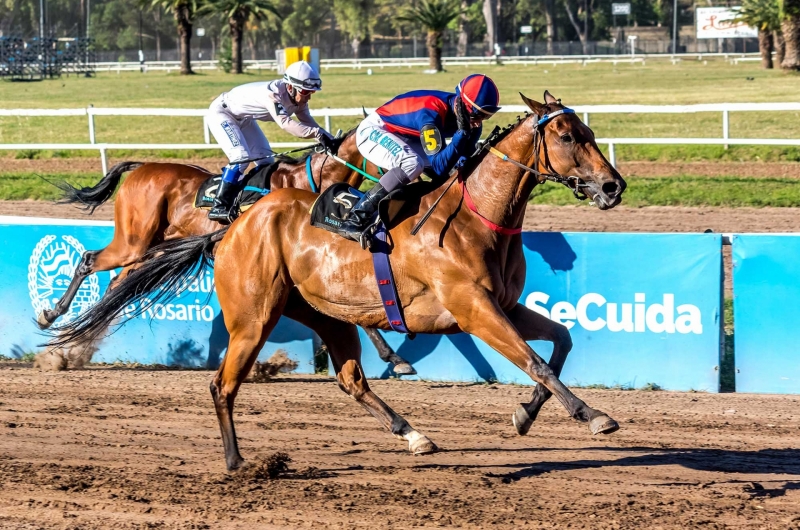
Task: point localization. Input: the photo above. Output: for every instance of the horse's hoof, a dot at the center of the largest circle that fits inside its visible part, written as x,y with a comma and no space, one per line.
421,445
42,321
603,424
522,421
425,447
404,369
237,465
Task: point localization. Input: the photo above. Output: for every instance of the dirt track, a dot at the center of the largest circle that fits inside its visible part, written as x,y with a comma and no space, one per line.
108,448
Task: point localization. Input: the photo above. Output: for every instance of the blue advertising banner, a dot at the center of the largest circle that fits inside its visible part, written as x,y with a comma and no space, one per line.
38,259
641,308
766,302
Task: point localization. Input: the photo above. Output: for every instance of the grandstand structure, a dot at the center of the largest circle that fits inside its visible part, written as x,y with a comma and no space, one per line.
36,59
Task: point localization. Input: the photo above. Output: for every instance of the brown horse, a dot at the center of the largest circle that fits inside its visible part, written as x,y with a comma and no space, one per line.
458,274
156,204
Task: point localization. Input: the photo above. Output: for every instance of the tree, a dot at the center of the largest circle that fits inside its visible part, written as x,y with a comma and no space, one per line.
790,26
184,12
238,13
356,19
434,16
582,7
761,14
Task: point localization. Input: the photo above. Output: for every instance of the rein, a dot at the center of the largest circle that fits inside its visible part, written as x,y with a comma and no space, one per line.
573,183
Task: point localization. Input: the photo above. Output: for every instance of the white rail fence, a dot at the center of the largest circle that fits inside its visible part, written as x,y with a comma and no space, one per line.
585,110
409,62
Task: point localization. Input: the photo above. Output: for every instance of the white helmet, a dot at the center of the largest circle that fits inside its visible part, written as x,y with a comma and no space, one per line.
302,75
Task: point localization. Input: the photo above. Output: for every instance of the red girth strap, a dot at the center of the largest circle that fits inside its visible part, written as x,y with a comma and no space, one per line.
492,226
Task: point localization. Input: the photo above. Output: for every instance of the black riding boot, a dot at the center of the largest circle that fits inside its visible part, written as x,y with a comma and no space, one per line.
226,194
361,214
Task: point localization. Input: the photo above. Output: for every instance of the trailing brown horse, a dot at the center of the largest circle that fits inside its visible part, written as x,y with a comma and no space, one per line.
464,271
156,203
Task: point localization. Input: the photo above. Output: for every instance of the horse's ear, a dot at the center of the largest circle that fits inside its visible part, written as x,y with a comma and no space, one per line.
363,111
535,106
549,99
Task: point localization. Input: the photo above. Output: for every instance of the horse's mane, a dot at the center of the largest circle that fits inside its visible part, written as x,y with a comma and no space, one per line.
294,161
495,137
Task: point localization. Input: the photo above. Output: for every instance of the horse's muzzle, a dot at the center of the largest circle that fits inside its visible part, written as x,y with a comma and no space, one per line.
608,195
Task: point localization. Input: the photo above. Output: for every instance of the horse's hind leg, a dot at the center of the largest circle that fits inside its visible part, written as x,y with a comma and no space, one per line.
533,326
134,232
388,355
345,351
247,336
46,318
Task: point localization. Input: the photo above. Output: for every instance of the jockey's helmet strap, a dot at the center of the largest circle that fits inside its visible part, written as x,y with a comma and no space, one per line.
547,117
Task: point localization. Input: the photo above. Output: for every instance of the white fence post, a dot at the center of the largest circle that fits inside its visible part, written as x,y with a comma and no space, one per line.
328,122
612,155
206,135
104,160
725,126
586,118
92,139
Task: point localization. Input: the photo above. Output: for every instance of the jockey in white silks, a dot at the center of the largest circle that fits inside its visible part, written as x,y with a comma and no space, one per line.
232,120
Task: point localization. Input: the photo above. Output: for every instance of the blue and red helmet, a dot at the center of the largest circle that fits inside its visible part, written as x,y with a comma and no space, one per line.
480,95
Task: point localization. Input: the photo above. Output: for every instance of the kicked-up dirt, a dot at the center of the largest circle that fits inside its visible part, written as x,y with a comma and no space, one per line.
122,448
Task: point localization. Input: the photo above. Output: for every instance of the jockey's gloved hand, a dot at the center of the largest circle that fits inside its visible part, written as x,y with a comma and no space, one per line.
462,116
328,143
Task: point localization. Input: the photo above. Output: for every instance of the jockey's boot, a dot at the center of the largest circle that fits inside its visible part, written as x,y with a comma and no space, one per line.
226,194
361,214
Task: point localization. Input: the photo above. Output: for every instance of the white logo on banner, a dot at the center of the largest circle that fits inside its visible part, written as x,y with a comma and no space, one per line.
50,271
637,317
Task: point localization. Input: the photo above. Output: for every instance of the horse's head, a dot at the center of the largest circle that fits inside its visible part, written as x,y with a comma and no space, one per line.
569,150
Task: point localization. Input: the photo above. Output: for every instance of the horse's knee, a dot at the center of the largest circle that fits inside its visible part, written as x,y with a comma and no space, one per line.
351,380
562,338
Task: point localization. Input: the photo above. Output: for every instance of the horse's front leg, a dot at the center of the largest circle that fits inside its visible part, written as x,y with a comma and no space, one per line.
533,326
484,318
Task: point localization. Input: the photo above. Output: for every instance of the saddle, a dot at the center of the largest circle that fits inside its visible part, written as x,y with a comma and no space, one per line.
334,204
257,184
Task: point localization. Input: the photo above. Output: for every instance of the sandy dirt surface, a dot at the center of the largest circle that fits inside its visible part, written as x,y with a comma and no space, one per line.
123,448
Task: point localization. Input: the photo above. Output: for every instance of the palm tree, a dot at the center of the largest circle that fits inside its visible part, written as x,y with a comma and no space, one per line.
238,13
790,24
434,16
761,14
184,12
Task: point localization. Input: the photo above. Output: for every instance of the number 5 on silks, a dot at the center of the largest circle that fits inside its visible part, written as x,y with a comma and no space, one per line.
431,139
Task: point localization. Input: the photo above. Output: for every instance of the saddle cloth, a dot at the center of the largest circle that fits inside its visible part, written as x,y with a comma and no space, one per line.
256,186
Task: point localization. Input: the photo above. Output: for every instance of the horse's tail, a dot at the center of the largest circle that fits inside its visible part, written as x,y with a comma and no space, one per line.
92,197
164,272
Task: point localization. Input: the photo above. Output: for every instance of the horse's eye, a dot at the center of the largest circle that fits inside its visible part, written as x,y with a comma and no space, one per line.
567,138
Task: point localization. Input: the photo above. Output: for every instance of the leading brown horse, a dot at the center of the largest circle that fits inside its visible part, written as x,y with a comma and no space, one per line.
155,203
464,271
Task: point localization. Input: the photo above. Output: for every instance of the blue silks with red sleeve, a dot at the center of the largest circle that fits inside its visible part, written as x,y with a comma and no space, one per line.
407,114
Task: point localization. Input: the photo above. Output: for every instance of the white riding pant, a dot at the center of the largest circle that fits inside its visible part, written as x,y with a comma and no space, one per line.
241,140
388,150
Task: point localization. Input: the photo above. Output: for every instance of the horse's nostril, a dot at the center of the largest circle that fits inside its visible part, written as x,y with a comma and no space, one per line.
611,189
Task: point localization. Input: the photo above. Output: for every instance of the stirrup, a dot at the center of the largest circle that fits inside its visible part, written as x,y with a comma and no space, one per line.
366,236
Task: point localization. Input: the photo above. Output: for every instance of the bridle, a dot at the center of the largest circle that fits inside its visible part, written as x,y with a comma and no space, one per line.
572,182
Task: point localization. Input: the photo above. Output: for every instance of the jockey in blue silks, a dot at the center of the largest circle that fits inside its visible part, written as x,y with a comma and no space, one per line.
407,135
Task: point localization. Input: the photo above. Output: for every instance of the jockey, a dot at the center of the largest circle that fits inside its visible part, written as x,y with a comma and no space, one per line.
232,120
407,134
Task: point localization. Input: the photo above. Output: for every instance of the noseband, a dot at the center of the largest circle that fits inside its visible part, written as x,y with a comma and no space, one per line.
573,183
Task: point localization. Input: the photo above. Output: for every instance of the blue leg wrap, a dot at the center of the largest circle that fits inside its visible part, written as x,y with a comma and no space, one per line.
231,174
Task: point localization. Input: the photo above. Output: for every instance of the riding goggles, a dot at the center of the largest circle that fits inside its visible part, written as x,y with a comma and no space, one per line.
308,85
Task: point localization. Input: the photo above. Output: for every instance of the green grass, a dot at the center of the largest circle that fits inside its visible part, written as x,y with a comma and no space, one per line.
727,368
655,83
691,191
